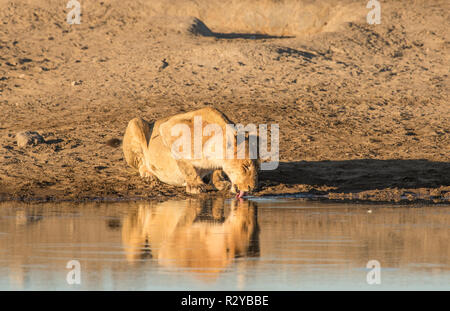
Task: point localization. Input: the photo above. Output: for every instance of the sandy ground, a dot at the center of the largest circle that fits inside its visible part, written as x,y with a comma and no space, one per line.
363,110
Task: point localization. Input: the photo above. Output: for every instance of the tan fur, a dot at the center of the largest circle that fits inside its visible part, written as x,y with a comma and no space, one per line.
148,148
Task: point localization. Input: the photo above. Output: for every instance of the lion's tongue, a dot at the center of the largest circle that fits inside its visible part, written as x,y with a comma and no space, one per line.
240,194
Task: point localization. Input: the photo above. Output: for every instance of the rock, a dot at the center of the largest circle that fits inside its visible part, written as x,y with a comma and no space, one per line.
29,138
164,64
114,142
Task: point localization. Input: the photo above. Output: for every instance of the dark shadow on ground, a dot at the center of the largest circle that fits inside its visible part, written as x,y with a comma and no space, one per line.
199,28
53,141
295,53
361,175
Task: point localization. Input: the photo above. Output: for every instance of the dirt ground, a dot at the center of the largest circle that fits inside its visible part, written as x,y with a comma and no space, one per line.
363,110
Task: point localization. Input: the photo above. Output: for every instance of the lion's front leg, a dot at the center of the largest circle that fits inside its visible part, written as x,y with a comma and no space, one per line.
220,181
194,183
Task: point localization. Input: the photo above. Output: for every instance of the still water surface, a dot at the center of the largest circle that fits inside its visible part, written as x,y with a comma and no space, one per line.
217,244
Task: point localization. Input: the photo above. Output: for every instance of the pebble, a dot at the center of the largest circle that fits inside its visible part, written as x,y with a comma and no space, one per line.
28,138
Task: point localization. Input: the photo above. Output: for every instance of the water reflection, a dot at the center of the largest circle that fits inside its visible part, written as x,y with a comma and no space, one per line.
202,236
223,244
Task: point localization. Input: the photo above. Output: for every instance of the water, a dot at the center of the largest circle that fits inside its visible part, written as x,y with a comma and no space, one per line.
216,244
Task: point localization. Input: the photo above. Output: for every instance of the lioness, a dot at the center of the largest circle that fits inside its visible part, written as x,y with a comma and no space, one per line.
149,148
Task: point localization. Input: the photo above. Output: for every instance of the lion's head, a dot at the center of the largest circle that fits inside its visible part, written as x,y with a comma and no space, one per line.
243,174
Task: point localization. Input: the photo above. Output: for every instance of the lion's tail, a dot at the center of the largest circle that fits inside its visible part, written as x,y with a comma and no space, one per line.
114,142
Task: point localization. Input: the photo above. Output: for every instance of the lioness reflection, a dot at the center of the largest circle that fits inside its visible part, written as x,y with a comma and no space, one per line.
200,235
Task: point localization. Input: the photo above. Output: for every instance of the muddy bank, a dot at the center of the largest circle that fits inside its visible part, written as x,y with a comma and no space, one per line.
363,110
399,181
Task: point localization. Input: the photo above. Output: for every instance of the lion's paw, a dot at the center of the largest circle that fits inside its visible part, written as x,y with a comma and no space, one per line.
145,173
196,189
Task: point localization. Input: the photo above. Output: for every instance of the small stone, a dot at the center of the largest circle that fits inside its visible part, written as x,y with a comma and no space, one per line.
164,64
28,138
